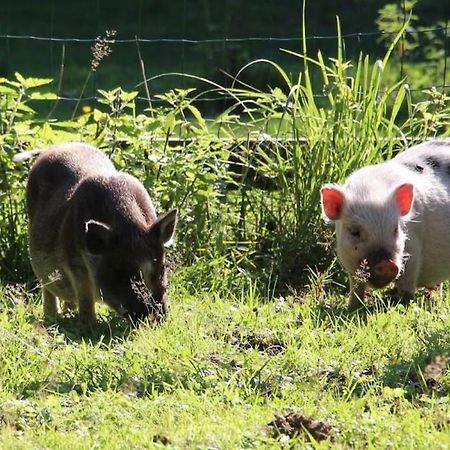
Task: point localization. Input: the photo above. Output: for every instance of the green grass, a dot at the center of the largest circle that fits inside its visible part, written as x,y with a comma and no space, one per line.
220,369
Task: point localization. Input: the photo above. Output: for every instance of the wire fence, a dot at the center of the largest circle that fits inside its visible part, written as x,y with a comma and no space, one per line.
170,63
332,37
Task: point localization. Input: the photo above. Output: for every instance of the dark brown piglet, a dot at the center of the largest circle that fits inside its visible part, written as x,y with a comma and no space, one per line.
94,235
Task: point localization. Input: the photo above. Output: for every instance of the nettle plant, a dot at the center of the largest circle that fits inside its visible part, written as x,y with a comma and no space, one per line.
19,129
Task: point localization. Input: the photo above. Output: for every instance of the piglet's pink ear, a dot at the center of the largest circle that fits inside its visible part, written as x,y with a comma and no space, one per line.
404,196
333,200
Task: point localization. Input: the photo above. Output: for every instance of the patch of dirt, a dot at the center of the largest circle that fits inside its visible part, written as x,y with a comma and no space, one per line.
332,374
264,343
162,438
441,420
233,363
296,423
433,370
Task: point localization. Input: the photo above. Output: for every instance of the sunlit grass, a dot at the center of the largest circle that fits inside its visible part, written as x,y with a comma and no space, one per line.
220,369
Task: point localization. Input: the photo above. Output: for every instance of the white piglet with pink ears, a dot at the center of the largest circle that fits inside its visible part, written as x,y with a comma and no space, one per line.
393,222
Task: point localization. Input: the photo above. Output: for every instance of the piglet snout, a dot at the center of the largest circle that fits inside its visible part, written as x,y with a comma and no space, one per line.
383,273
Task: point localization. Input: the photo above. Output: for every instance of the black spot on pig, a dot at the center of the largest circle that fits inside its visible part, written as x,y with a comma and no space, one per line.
432,162
415,167
440,142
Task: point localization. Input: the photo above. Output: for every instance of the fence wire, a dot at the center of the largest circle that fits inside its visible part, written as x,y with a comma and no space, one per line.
331,37
222,55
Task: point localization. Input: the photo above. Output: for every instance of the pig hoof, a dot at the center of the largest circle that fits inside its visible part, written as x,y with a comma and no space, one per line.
354,305
405,299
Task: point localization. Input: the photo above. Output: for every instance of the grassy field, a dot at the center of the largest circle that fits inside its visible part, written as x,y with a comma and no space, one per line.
223,369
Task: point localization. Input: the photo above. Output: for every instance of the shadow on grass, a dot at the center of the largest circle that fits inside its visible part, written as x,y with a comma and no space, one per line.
417,380
105,329
422,375
373,305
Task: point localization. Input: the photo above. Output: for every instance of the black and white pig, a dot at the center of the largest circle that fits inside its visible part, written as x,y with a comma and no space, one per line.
393,222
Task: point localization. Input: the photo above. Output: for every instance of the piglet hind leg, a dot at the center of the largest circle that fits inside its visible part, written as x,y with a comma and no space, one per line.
405,297
68,306
433,292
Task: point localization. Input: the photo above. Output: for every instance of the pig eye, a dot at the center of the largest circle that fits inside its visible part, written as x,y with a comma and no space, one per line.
355,232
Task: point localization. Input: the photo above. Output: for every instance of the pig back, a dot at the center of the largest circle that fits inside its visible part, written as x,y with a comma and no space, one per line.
52,180
117,199
430,163
56,173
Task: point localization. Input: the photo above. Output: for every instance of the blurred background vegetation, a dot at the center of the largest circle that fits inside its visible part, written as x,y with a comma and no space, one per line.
214,53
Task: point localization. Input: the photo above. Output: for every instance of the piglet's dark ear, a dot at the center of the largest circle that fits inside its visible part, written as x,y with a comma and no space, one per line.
164,227
98,237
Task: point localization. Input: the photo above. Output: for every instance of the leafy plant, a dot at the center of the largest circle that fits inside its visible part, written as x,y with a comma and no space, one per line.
392,17
19,128
419,56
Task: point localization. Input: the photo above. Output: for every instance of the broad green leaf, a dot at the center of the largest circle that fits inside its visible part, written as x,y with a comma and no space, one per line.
7,90
10,82
197,114
46,132
169,122
24,108
43,96
98,115
129,96
29,83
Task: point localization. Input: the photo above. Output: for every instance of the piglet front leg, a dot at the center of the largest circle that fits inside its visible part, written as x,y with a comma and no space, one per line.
357,292
407,282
